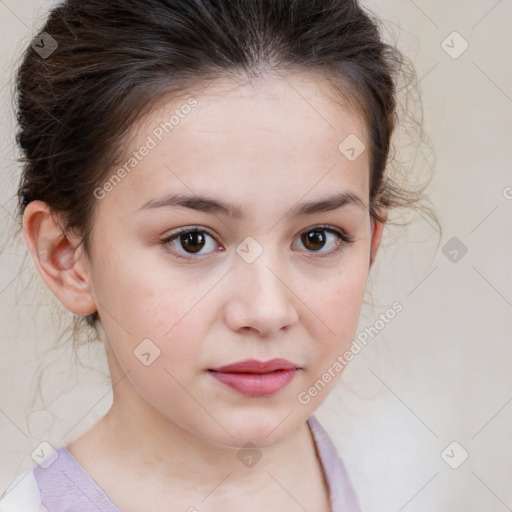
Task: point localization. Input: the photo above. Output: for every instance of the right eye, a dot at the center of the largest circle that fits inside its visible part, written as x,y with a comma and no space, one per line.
191,240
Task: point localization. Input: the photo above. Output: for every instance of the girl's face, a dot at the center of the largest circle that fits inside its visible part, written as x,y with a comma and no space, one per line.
256,170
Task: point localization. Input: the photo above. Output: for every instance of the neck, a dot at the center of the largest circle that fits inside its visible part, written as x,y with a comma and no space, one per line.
176,454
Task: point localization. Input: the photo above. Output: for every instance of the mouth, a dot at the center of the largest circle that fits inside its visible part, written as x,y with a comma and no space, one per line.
255,378
254,366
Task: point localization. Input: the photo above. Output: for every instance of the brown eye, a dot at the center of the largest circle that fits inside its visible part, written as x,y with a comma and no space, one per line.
317,238
313,240
190,241
193,241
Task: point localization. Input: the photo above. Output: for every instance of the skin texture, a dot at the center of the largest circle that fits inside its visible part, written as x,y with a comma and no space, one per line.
173,432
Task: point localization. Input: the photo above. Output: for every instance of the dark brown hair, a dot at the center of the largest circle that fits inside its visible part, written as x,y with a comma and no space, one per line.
114,59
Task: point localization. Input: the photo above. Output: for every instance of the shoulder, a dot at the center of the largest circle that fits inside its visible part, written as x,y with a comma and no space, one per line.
22,495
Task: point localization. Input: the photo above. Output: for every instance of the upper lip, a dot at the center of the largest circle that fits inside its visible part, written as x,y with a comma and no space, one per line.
254,366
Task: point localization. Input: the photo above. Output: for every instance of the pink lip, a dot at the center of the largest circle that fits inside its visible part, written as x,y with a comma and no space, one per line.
255,378
254,366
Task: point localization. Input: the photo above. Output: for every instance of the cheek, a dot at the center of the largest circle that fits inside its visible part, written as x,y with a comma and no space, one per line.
337,306
338,298
140,306
162,347
137,291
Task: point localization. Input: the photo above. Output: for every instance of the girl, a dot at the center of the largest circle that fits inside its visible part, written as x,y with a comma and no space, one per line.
204,180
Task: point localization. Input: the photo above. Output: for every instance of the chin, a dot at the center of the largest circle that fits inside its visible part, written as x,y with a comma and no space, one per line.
257,427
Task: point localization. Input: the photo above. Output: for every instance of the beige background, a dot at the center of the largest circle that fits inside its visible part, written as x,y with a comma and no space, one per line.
439,372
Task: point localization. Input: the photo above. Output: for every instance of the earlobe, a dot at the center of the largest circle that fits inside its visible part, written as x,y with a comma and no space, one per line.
60,264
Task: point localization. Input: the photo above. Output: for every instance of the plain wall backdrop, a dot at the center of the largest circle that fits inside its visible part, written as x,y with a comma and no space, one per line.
431,387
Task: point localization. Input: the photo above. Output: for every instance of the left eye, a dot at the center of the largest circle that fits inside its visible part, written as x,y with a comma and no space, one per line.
315,238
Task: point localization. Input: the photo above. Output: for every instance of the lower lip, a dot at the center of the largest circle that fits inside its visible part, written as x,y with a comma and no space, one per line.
256,384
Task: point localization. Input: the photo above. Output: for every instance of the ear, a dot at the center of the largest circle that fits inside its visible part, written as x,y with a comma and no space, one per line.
377,229
60,264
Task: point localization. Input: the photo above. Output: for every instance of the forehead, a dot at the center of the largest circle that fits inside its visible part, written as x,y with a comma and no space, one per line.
269,102
276,135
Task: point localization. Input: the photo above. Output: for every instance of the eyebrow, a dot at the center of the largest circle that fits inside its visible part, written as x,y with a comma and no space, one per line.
210,205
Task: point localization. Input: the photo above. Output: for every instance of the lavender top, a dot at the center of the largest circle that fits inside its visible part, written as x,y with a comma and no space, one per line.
60,483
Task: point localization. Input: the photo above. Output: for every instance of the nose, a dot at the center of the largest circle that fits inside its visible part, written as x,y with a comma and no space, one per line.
262,297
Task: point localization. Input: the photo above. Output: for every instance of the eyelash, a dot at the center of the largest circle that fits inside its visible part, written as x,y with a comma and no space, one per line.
344,240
